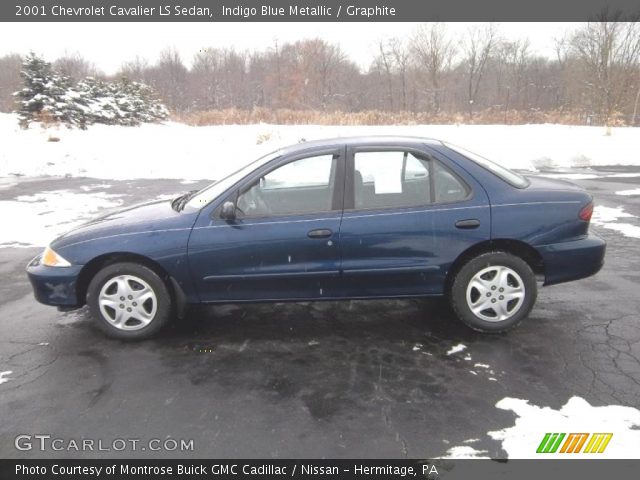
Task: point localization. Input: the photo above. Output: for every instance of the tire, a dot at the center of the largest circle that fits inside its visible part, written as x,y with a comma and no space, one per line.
493,292
129,301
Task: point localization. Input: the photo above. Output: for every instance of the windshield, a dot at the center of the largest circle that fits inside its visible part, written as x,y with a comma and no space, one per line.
504,173
209,193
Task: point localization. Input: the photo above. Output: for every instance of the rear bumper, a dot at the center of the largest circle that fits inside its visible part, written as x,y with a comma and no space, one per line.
54,285
572,260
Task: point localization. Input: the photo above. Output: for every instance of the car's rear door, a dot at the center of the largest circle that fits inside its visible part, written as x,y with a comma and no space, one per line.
284,243
407,216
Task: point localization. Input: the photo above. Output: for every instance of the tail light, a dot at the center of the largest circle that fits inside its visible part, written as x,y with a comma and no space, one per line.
586,212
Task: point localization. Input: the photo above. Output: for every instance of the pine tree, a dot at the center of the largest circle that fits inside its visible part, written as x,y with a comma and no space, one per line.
43,94
50,97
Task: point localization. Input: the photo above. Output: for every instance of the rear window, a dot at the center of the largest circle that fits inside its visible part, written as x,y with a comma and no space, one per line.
504,173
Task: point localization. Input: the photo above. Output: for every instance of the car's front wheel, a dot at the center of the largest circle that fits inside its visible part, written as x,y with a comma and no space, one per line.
493,292
129,301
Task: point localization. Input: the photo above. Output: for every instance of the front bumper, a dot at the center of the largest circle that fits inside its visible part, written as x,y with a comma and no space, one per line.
572,260
54,285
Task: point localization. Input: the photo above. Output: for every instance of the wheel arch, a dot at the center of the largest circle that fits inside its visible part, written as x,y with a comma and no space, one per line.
98,263
515,247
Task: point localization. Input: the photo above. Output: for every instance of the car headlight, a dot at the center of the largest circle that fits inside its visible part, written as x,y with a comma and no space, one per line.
52,259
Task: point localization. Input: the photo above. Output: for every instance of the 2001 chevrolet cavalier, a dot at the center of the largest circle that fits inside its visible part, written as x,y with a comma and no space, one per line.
335,219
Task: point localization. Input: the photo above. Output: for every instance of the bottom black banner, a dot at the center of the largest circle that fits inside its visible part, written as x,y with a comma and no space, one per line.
336,469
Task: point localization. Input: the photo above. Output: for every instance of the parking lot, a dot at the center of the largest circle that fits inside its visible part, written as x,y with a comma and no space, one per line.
354,379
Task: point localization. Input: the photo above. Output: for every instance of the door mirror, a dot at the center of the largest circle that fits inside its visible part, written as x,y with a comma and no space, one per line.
228,211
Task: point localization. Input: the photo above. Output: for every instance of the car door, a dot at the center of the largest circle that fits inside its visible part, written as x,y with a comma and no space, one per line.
284,242
407,216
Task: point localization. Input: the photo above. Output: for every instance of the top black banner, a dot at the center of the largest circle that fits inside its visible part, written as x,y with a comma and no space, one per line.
315,10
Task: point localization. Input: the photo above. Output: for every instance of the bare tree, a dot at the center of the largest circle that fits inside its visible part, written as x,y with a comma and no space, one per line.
609,52
478,45
401,57
434,51
169,77
517,60
10,80
384,63
137,69
205,79
75,66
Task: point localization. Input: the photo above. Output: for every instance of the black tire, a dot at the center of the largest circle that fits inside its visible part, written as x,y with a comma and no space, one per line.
131,328
514,310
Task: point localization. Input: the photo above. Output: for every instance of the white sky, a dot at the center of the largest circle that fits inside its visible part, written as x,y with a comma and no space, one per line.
108,45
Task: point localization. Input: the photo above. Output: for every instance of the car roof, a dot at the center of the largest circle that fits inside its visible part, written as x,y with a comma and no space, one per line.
360,141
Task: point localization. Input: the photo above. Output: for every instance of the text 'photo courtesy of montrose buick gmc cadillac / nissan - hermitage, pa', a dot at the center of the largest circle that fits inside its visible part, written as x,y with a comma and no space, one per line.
347,218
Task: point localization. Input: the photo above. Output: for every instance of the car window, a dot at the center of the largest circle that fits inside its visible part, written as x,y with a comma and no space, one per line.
388,179
298,187
447,186
502,172
209,193
308,172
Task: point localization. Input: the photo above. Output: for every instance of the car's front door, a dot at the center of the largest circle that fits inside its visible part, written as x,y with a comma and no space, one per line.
407,217
283,243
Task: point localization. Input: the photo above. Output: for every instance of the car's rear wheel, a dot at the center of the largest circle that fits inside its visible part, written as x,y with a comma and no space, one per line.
493,292
129,301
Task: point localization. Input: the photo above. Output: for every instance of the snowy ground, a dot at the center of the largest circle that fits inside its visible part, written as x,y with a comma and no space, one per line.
179,151
110,156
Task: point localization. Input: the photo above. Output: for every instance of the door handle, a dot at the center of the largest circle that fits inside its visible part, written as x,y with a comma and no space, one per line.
320,233
468,224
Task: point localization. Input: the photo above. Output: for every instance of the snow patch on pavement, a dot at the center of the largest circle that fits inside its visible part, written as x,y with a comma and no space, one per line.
607,217
577,415
635,191
456,349
4,375
465,451
35,220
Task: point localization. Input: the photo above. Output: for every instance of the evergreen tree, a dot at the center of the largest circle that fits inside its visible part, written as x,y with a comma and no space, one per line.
49,97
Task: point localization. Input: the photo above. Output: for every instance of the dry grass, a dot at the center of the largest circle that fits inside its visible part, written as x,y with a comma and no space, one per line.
233,116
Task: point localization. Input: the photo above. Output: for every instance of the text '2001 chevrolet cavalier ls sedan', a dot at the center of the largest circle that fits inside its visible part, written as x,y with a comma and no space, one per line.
368,217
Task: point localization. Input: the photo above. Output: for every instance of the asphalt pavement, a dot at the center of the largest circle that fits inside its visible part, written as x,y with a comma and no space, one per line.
354,379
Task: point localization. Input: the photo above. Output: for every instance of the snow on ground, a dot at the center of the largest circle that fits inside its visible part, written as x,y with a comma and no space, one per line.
4,376
607,217
45,215
576,416
465,451
174,150
632,192
456,348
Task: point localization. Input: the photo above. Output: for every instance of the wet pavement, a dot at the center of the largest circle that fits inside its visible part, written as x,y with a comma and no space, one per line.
368,379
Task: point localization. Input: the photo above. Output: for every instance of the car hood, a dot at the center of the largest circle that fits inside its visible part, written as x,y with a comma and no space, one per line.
149,216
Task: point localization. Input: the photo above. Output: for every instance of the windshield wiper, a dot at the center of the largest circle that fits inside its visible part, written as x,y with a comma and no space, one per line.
179,203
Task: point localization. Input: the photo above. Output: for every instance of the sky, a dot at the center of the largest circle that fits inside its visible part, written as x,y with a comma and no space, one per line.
109,45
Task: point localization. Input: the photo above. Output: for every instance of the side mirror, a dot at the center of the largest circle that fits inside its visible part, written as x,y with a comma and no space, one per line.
228,211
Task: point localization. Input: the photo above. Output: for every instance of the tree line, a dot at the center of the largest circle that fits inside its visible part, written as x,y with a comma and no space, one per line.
477,76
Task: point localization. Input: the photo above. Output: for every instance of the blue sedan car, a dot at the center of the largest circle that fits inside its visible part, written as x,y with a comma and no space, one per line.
348,218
